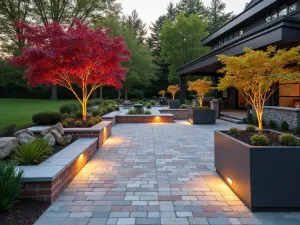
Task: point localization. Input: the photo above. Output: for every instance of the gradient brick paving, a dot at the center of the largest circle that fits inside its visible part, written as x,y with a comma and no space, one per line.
155,174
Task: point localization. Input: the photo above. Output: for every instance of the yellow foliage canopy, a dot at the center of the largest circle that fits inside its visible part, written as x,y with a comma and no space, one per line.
173,89
256,73
162,93
201,87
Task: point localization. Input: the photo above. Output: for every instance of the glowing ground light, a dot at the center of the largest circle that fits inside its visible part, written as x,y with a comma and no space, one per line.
229,180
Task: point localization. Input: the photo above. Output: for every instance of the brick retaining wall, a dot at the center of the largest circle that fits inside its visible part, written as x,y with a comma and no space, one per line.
145,119
179,114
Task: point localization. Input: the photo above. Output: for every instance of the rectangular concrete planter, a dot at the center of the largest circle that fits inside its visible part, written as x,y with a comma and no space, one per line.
265,178
166,118
202,116
174,104
163,101
179,114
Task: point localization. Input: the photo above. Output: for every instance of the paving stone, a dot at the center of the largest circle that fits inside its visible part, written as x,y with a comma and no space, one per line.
126,221
144,221
174,221
81,214
97,221
198,221
76,221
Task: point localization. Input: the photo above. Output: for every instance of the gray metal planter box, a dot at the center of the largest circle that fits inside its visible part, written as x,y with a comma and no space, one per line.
202,116
174,104
265,178
163,101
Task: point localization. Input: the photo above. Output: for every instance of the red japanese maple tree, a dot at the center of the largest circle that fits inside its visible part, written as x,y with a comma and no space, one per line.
72,55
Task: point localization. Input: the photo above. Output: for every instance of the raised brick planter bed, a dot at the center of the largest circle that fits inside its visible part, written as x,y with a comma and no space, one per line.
179,114
47,181
167,118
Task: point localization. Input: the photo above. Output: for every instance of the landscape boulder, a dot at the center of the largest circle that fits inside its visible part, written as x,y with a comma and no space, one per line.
7,145
24,131
25,138
68,139
58,127
49,138
58,138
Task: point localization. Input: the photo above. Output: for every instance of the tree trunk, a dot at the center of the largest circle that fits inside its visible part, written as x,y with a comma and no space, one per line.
259,115
200,102
84,113
101,93
126,94
119,94
54,93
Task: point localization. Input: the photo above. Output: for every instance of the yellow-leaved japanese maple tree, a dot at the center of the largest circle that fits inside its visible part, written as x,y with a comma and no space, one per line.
173,89
162,93
257,73
201,87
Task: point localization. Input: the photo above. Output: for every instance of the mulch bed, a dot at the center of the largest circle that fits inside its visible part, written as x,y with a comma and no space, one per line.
245,136
24,212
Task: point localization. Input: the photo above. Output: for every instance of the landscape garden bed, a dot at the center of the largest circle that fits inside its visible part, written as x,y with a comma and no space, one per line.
263,177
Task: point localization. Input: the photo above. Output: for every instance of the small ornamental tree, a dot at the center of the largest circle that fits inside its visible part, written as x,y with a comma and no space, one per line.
173,89
201,87
162,93
72,55
256,74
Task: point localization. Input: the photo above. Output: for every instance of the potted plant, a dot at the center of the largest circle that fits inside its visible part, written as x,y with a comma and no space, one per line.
162,100
262,166
173,104
201,115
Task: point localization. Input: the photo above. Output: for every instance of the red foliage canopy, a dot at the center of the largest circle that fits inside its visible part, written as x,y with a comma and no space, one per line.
67,55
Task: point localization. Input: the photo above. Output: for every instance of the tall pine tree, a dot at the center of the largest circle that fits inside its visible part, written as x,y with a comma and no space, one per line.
139,27
216,15
189,7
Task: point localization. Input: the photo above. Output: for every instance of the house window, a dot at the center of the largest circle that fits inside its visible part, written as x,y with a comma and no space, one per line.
268,18
289,95
241,31
225,93
274,15
292,8
283,11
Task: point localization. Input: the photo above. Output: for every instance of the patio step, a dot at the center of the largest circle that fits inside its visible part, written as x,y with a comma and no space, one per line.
232,120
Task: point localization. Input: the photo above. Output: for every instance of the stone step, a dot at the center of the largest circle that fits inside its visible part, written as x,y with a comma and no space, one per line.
232,120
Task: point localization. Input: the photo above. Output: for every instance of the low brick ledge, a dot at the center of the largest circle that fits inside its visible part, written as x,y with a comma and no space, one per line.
159,118
179,114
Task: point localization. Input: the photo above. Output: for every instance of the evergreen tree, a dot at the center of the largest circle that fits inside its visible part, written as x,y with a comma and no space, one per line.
139,27
172,12
216,15
189,7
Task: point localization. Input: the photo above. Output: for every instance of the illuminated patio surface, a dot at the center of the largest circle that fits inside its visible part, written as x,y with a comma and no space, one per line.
155,174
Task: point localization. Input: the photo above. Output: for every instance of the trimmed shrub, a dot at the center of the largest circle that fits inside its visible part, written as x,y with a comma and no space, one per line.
148,106
297,130
46,118
97,112
284,125
234,130
147,112
94,102
206,107
259,140
69,108
288,140
272,124
78,123
183,106
110,108
132,112
65,124
153,102
251,128
32,153
8,130
91,122
10,185
65,116
117,108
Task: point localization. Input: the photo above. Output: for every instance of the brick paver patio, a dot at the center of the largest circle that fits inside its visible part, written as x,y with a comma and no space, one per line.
155,174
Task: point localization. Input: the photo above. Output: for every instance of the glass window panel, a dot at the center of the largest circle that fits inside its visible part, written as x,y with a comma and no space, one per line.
274,15
283,11
292,8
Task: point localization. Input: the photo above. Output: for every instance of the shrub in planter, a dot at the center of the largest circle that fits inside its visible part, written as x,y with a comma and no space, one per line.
65,124
153,102
32,153
8,130
117,108
132,112
148,106
10,185
78,123
284,126
259,140
147,113
234,130
183,106
90,122
297,130
46,118
94,102
289,140
251,128
272,124
98,118
97,112
65,116
69,108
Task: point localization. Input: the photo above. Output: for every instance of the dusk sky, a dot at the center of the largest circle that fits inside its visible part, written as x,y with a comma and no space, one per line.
150,10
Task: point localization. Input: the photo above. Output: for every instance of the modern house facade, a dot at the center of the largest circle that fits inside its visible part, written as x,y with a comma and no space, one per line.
262,23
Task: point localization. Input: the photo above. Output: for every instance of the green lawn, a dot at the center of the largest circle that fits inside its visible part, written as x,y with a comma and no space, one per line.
20,111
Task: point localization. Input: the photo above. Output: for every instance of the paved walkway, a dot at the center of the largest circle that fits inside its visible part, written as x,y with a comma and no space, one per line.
155,174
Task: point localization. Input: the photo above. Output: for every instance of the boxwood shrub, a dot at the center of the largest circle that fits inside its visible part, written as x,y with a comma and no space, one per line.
46,118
